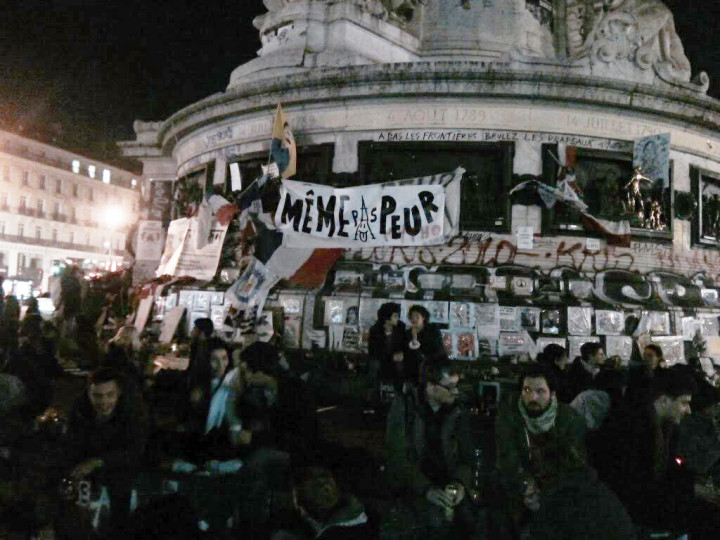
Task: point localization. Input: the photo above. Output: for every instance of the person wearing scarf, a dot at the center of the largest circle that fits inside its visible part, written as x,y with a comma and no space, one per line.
524,424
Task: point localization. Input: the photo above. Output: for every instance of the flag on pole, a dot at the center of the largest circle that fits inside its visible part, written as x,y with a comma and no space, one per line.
282,148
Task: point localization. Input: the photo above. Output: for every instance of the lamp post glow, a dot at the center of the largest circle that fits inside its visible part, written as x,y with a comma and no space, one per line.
115,218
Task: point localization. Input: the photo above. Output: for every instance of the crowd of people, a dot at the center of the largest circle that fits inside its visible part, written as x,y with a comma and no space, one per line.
582,450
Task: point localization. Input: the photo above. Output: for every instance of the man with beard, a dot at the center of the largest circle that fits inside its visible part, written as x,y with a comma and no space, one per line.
524,425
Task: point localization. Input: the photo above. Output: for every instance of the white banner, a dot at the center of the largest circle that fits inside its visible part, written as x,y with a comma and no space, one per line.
414,212
182,258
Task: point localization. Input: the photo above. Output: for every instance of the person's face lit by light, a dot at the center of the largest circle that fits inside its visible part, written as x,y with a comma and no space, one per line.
536,395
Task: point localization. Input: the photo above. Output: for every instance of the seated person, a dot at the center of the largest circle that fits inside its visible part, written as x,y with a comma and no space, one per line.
107,432
323,511
523,425
428,446
566,501
642,466
273,409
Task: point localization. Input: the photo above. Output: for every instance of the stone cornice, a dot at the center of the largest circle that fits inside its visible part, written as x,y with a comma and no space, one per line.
477,80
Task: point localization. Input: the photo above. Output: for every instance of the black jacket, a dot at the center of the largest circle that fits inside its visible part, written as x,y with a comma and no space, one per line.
431,350
119,441
578,505
382,348
578,379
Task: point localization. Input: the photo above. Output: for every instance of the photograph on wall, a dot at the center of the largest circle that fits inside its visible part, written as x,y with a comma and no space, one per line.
291,304
439,312
514,344
620,346
186,299
487,315
217,315
352,317
550,321
575,342
542,342
509,320
334,311
447,339
709,326
368,310
291,332
466,345
351,339
659,323
487,347
609,322
579,321
530,318
673,349
202,302
462,314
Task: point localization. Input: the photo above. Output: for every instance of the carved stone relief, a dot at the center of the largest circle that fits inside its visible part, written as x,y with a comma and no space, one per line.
641,32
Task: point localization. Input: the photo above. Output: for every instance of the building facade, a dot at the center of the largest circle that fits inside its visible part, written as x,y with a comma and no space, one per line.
511,90
56,205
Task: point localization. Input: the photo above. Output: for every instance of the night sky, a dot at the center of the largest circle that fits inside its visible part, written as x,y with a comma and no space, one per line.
78,72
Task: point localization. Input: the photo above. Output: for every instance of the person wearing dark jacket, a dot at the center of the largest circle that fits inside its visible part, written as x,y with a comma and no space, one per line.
555,357
107,432
642,466
428,446
583,370
424,344
324,512
566,501
387,343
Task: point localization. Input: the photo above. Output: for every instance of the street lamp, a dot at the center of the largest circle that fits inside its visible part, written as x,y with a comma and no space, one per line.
115,218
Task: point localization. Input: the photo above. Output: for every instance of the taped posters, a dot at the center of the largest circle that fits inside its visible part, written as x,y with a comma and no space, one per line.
414,212
182,258
250,291
150,241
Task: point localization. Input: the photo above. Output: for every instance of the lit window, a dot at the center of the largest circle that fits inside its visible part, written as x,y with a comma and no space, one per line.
21,230
106,176
91,171
133,182
38,233
76,166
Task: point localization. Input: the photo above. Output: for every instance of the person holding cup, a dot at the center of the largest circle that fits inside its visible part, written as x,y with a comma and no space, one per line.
429,453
